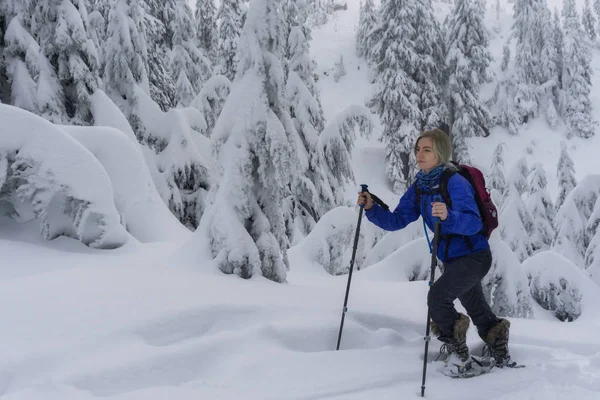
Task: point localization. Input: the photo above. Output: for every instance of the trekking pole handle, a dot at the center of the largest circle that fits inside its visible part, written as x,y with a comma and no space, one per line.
438,199
363,188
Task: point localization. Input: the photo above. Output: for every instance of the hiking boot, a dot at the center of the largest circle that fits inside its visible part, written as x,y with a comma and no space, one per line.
496,341
456,345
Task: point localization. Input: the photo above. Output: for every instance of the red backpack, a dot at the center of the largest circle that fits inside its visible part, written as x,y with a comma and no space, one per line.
487,209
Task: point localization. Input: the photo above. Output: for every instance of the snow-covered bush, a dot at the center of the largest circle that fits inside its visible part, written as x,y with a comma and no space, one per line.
47,170
331,241
555,284
505,285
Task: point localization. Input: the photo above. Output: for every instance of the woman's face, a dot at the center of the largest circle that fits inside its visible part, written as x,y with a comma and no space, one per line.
426,157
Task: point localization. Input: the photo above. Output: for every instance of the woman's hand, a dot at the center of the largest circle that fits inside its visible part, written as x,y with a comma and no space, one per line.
439,210
364,198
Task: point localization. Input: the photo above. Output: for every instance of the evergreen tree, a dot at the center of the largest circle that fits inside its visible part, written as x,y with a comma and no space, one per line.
257,161
549,78
517,225
565,172
467,63
309,199
559,42
496,180
518,176
159,24
126,53
34,84
230,27
62,30
588,21
576,79
187,62
394,100
540,206
596,7
206,28
366,22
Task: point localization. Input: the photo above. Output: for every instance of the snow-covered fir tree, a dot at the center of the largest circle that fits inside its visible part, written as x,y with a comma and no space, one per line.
496,178
339,69
62,31
257,161
319,11
159,24
310,198
34,84
576,77
540,205
366,22
126,53
206,28
428,67
596,7
588,21
526,63
229,19
408,95
187,64
565,172
467,63
549,74
517,225
559,43
518,176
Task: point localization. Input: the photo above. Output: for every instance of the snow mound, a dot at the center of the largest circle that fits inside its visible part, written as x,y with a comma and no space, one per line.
45,170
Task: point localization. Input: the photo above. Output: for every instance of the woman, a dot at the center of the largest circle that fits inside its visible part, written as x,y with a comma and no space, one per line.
462,247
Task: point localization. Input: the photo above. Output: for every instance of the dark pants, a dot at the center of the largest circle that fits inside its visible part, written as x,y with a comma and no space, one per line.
462,280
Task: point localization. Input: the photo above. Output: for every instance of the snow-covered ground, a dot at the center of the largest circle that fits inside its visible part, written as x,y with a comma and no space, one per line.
147,321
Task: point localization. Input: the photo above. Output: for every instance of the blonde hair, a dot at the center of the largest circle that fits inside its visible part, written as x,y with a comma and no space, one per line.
442,145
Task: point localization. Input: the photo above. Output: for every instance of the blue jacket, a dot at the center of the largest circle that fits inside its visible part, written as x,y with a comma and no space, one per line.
463,219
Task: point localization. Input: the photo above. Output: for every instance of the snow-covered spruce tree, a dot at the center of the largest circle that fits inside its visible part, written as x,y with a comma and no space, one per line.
518,176
505,286
253,139
319,11
588,21
559,43
428,67
572,219
210,102
340,69
158,29
336,143
526,65
34,84
565,172
596,7
517,225
366,22
126,54
187,63
592,253
576,78
4,85
467,63
307,203
396,100
540,206
549,74
496,179
61,29
229,19
97,19
206,28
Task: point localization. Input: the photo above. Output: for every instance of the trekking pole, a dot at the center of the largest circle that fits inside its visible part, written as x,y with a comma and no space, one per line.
436,235
360,214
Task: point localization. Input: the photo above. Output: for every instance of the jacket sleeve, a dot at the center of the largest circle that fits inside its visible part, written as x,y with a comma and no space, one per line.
406,212
463,218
